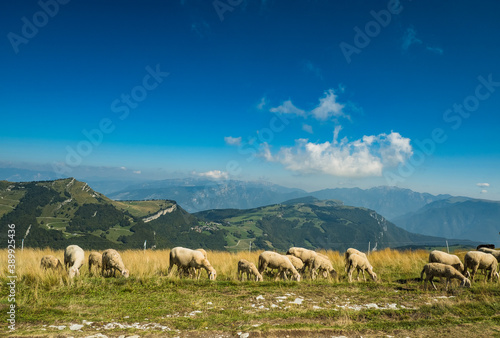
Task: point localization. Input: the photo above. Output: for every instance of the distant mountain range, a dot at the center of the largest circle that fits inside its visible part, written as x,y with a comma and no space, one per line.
62,212
457,217
201,194
198,194
423,213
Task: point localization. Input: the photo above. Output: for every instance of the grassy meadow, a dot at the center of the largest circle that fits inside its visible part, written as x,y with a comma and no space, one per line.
149,303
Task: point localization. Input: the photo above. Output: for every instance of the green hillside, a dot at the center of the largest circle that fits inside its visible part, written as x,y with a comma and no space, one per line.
457,217
67,211
62,212
313,224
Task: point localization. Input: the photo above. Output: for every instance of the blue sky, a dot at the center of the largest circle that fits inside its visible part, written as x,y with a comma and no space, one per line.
310,94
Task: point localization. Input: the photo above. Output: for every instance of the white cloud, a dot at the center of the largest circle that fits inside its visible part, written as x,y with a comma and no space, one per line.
215,174
361,158
232,141
288,108
123,168
138,172
410,38
483,185
327,108
262,103
307,128
484,191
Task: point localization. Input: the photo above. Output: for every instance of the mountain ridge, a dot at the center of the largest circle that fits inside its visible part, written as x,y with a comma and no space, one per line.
67,211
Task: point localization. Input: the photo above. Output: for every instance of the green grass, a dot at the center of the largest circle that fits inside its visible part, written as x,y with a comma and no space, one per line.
231,307
142,208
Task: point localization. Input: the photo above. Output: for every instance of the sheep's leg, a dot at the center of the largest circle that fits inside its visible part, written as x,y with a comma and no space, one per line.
263,267
364,277
432,282
448,282
283,273
349,273
277,276
474,270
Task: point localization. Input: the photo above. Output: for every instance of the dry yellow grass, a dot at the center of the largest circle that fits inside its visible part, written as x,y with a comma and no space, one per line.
388,264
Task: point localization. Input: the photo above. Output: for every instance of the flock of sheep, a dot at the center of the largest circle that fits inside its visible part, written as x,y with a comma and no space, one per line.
74,257
444,265
294,264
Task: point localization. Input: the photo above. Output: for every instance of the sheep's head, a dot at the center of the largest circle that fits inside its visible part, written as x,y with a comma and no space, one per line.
259,277
374,276
496,276
466,283
212,274
125,273
296,277
73,271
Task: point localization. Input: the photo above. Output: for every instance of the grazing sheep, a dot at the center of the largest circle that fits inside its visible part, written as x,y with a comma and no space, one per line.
495,253
273,260
74,256
361,264
475,260
51,262
488,246
249,268
297,263
95,260
437,256
349,252
306,256
112,261
432,270
322,263
185,258
203,252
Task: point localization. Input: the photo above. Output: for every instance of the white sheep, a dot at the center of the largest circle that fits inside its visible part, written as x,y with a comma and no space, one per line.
359,263
185,259
51,262
95,260
437,256
323,264
349,252
203,252
249,268
74,256
432,270
307,256
191,272
112,261
274,260
297,263
475,260
495,253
